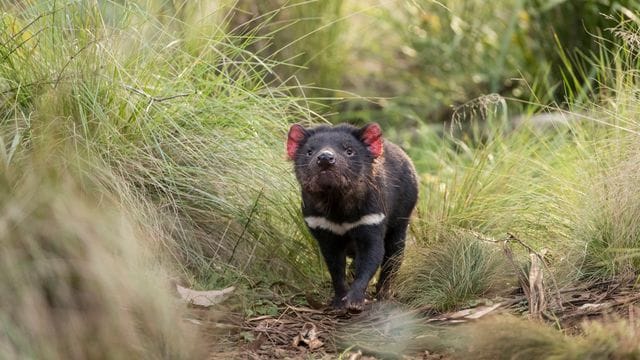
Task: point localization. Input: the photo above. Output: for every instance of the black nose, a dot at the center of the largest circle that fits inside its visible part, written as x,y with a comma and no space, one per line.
326,159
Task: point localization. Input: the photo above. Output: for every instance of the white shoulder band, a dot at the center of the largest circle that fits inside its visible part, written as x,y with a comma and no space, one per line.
319,222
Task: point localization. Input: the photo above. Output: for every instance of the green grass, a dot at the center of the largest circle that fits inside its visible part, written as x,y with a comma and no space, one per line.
565,188
306,39
611,230
184,117
457,270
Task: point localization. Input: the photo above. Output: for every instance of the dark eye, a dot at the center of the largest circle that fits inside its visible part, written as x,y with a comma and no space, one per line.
349,152
309,152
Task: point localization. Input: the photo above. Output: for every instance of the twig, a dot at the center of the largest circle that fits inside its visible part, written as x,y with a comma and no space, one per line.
537,301
154,99
24,28
511,237
16,88
521,276
246,225
595,308
64,67
297,310
7,55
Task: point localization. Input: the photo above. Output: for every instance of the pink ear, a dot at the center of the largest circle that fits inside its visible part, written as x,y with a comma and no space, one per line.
296,134
372,136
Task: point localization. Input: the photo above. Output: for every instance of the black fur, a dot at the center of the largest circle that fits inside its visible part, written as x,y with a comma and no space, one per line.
342,180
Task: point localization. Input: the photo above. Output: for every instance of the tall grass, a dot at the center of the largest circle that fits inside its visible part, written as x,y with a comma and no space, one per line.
566,187
147,138
164,117
178,109
406,62
306,37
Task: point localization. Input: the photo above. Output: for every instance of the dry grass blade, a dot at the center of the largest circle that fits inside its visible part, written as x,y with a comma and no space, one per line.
537,303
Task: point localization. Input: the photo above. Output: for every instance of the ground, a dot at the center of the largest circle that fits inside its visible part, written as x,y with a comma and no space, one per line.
390,330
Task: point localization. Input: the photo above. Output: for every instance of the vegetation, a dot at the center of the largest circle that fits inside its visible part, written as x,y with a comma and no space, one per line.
457,270
510,338
141,144
69,268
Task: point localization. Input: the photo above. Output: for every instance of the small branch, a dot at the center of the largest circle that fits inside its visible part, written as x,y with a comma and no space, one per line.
246,225
139,92
7,55
154,99
64,67
21,86
511,237
173,96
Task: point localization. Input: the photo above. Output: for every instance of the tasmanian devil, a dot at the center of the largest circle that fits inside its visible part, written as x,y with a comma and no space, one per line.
358,192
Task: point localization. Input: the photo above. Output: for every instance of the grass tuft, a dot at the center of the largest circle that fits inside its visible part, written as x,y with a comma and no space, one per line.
458,269
611,230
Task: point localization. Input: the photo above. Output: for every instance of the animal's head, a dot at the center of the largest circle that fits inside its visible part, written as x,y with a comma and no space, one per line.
334,159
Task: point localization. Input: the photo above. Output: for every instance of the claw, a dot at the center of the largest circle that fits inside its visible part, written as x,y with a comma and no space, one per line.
355,307
353,303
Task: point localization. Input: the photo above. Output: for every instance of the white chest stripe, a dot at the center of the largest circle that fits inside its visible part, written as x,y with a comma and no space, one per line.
319,222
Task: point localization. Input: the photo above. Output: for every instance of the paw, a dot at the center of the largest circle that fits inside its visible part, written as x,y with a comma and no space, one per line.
354,302
338,302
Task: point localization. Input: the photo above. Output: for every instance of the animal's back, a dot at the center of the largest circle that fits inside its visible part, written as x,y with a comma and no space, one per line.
400,183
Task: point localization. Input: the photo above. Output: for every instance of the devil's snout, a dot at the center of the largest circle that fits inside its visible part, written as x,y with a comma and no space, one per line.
326,159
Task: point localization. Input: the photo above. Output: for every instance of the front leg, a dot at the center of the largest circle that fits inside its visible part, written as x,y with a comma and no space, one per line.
370,251
334,253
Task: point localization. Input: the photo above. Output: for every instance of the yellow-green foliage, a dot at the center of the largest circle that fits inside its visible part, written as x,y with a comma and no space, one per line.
506,337
612,221
182,111
450,273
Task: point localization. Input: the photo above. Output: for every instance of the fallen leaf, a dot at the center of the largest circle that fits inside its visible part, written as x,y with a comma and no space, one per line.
308,336
482,311
459,314
203,298
355,355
